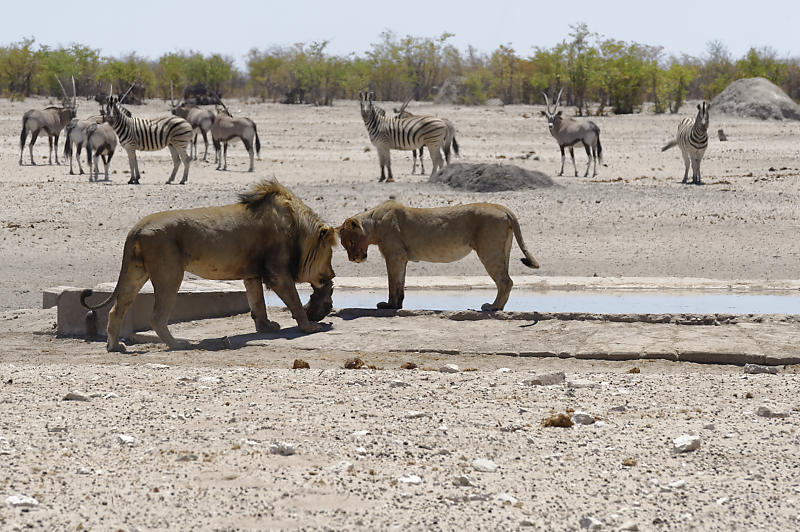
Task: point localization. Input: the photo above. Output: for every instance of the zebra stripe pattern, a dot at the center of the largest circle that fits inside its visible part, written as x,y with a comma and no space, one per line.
692,139
144,134
387,133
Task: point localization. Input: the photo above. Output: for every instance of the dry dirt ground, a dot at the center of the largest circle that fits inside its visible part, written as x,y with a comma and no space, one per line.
202,421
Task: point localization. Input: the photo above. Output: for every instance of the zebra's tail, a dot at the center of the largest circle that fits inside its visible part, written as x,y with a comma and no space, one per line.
455,146
670,144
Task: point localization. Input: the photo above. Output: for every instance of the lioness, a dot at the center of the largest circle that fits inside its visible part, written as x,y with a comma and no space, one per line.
270,236
443,234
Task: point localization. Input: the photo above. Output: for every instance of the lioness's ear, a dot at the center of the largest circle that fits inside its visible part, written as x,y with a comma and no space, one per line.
327,234
351,224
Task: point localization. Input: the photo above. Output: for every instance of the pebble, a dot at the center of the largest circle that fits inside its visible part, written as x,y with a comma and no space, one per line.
187,458
83,471
75,396
629,525
397,384
619,408
125,439
757,368
590,522
484,465
527,522
21,500
678,484
505,498
282,448
156,366
547,379
360,434
504,370
722,500
415,414
582,418
209,379
341,467
110,395
409,479
582,383
361,451
465,480
765,411
450,368
686,442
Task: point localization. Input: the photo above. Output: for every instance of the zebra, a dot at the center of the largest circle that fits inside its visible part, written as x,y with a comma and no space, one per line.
450,141
171,132
692,139
387,133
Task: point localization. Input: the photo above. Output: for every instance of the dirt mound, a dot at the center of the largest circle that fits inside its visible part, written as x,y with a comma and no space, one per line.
490,177
755,98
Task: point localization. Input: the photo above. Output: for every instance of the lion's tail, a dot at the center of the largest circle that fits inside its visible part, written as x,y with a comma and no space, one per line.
528,260
127,256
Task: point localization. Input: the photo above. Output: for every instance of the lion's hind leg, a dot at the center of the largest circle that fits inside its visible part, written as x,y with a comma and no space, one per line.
494,256
127,290
258,308
166,281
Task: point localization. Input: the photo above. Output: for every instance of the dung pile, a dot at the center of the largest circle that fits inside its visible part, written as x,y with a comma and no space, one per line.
490,177
755,98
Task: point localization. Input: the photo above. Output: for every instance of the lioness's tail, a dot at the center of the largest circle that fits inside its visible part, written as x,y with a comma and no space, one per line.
127,256
528,260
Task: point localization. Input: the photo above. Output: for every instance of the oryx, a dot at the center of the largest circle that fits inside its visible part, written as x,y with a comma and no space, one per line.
199,118
51,120
568,132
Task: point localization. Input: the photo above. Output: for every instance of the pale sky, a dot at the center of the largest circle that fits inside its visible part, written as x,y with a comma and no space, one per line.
232,27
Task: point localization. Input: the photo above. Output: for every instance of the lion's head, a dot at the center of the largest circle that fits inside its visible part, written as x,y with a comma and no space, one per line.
295,219
354,239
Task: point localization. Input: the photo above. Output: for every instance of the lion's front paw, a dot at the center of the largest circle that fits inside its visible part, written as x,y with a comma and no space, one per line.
384,305
488,307
268,326
115,347
310,327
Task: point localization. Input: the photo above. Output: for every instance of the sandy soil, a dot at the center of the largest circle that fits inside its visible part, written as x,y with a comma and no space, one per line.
200,453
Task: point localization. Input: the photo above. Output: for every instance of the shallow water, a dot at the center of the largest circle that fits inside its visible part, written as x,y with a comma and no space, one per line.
599,302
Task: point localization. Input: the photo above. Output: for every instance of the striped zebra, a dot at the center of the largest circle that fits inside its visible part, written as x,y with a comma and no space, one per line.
387,133
693,140
143,134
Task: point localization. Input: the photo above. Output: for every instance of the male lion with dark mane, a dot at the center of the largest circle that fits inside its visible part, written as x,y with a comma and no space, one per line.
443,234
270,236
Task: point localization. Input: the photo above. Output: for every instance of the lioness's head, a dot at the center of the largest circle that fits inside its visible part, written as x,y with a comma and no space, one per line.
354,240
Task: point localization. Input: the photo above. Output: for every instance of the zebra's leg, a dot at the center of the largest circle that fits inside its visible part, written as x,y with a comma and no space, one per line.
176,162
561,172
414,157
421,162
132,164
572,156
186,162
589,161
685,165
205,141
696,171
385,162
436,159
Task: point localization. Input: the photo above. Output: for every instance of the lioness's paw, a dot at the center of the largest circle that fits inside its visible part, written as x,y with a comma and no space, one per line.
115,348
488,307
267,326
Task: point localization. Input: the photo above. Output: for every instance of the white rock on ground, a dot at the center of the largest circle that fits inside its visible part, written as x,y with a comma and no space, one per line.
409,479
757,368
590,522
686,442
21,501
282,448
450,368
546,380
465,481
484,465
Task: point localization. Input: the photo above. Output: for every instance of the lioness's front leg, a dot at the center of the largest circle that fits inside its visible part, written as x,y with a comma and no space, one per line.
396,271
258,308
284,287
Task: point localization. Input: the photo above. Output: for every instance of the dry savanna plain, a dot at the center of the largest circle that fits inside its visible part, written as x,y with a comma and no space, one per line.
226,436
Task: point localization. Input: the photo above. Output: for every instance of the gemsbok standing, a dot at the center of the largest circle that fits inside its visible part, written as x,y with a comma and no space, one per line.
568,132
200,119
50,120
389,133
171,132
450,142
692,139
102,140
76,133
226,128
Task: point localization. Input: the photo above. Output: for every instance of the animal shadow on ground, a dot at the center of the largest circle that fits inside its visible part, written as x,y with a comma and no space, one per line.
239,341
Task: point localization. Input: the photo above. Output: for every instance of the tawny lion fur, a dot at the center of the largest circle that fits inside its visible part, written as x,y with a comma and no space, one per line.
270,236
443,234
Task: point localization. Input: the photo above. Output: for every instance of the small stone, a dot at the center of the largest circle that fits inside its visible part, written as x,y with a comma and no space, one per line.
630,526
408,365
582,383
484,465
282,448
299,363
111,395
504,370
83,471
582,418
558,420
618,408
709,426
450,368
590,522
722,500
415,414
465,481
686,443
757,368
505,498
156,366
546,379
360,434
21,501
75,396
209,379
353,363
361,451
397,384
187,457
125,439
765,411
527,522
634,369
678,484
341,467
409,479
